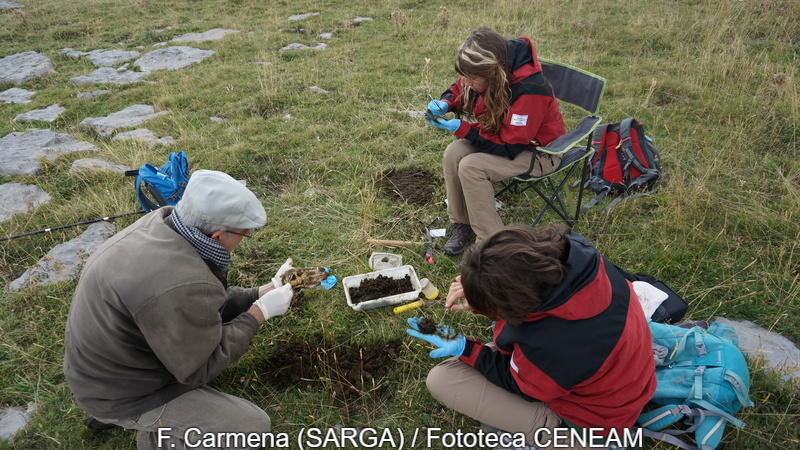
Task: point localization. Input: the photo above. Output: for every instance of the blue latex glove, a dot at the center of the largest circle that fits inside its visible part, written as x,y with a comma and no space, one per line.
448,342
445,124
437,107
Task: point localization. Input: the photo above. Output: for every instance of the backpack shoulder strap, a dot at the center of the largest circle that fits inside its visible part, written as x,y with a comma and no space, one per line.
145,174
626,143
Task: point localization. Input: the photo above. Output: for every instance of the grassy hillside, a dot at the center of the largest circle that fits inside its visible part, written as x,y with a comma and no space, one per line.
715,84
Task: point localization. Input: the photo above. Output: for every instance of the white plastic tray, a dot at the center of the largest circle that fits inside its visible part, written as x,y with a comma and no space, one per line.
397,273
381,261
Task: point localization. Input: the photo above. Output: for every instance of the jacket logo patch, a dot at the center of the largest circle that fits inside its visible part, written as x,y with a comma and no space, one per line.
519,121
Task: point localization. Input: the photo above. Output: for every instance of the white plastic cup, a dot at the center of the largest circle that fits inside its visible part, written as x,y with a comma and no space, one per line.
428,289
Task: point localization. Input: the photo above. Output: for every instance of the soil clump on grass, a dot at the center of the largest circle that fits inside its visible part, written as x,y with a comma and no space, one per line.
380,286
350,371
414,186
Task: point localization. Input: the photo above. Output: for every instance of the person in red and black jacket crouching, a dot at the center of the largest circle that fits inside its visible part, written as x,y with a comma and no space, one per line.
571,341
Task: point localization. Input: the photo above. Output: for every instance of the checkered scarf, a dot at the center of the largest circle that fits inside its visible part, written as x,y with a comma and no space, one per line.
207,248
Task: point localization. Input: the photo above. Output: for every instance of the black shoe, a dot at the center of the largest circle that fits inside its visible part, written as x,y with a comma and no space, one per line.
459,240
94,424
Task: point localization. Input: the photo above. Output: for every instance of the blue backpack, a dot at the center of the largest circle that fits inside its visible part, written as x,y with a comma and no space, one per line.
165,184
703,377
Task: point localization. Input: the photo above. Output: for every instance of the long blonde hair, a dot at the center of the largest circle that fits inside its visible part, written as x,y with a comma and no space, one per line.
484,54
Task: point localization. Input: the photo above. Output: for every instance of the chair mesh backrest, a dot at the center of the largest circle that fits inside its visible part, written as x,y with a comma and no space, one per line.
573,85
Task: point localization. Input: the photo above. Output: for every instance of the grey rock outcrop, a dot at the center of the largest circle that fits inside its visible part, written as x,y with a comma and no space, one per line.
18,198
92,95
96,165
127,118
64,261
20,153
109,75
14,419
299,46
23,67
302,16
144,135
779,354
48,114
171,58
16,95
111,58
210,35
11,5
101,57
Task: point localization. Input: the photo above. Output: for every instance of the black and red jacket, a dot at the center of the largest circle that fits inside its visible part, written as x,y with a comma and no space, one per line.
586,351
533,117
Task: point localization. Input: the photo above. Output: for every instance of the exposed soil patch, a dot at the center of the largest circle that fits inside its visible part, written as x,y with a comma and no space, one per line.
380,286
350,371
414,186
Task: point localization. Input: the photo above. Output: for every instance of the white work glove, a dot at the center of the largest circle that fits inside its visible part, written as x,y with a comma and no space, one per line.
275,302
277,280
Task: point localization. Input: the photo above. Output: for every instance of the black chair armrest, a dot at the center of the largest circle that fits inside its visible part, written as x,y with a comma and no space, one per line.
573,138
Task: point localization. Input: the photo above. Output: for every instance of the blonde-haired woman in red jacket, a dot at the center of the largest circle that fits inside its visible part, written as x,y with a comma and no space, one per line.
508,109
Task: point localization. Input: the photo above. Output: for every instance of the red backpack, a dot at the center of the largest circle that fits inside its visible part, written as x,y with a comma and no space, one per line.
626,163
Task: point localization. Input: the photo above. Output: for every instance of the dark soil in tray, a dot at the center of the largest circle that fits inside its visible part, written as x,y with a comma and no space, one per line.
380,286
347,371
414,186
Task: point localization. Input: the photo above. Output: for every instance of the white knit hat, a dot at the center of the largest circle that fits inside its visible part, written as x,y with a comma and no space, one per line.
217,198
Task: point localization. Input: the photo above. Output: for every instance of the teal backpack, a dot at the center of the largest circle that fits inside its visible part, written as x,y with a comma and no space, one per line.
703,377
164,184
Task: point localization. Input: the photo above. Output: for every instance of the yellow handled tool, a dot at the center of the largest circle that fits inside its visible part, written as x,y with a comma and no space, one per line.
408,306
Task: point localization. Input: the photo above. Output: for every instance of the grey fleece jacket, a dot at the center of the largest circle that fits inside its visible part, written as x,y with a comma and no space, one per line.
146,322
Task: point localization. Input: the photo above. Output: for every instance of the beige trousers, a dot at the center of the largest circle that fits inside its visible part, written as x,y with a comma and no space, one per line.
458,386
206,409
469,176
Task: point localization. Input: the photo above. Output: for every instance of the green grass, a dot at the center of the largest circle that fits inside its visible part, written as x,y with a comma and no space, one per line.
715,84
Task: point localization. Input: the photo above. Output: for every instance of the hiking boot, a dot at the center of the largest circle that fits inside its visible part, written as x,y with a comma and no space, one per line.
94,424
462,235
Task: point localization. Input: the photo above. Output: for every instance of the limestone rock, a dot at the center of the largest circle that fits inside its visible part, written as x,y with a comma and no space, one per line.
109,75
127,118
302,16
20,152
96,165
779,353
92,95
210,35
299,46
144,135
65,261
18,198
48,114
110,58
16,95
23,67
171,58
10,5
14,418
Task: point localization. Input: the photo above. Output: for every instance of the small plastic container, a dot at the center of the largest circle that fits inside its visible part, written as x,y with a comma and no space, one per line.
381,261
398,273
428,289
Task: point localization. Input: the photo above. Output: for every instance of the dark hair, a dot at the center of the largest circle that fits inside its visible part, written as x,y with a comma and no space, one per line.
485,54
504,275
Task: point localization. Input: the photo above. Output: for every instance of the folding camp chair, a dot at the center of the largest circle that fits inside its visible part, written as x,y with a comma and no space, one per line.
583,90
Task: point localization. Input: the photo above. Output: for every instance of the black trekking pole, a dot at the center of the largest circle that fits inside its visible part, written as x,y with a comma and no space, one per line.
8,238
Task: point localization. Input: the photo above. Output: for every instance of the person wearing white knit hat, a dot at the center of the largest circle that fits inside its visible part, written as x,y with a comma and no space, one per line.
153,319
